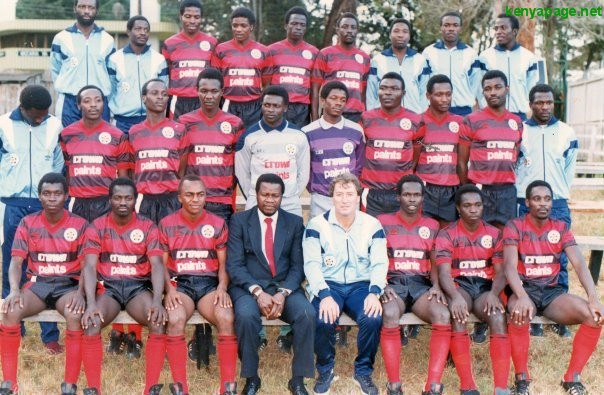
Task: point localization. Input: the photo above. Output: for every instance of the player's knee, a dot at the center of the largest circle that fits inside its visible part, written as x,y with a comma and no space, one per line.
497,323
440,315
391,314
176,321
72,318
225,317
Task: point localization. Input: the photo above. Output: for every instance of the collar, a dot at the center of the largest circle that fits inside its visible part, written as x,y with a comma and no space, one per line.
74,29
330,216
503,49
532,122
440,44
17,115
389,52
262,217
326,125
128,49
268,128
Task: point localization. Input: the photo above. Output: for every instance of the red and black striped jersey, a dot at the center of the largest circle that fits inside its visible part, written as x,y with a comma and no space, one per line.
187,57
409,244
157,150
123,251
51,250
93,156
290,67
243,68
210,145
192,246
437,163
350,66
539,248
470,254
494,141
389,147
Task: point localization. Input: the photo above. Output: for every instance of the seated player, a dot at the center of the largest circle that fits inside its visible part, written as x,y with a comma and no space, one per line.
413,285
469,258
194,244
51,241
123,250
532,246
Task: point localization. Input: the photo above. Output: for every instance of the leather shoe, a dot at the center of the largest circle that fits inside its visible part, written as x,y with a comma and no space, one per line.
252,386
296,388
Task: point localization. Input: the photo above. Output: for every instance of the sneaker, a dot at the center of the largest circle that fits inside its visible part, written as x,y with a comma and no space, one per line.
469,392
5,388
394,389
90,391
285,342
413,331
366,385
480,333
502,391
54,348
230,388
176,389
323,383
134,346
296,387
536,330
404,337
68,389
574,387
561,330
342,335
521,386
263,344
155,389
117,343
435,389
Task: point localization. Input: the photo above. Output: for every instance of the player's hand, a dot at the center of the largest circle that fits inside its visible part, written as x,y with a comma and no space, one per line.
493,304
389,295
372,306
278,304
438,295
265,304
157,315
172,298
523,311
222,298
459,308
92,316
13,299
597,310
329,311
77,303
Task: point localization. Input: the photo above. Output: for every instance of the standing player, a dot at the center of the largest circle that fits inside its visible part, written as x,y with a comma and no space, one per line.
94,152
187,53
336,145
244,64
413,286
78,58
391,134
123,251
469,259
129,68
401,59
194,244
51,241
532,248
291,62
346,63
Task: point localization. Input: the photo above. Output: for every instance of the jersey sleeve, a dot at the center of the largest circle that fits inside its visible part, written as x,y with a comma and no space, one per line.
92,242
222,237
443,247
153,244
465,132
124,154
20,242
511,235
497,258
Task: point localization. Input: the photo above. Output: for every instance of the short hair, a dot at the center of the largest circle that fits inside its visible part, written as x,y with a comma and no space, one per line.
270,178
345,178
437,79
276,90
210,73
331,85
513,20
85,88
96,5
535,184
540,88
53,178
492,74
464,189
131,21
122,182
190,178
347,15
408,178
35,96
244,12
190,3
406,22
451,13
393,75
297,10
145,87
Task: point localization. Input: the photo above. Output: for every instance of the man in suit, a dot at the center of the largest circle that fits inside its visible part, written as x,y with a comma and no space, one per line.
265,265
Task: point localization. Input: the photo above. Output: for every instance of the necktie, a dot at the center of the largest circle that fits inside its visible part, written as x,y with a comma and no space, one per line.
269,245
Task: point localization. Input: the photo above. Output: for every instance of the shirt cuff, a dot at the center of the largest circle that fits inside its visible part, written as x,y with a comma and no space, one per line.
374,289
251,288
324,293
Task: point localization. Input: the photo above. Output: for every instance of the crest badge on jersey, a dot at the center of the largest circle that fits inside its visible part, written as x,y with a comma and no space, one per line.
359,58
405,124
486,241
528,162
125,87
306,54
453,127
70,234
226,127
330,260
348,148
137,236
74,62
13,159
204,45
553,236
424,232
105,138
255,54
167,132
291,149
207,231
513,124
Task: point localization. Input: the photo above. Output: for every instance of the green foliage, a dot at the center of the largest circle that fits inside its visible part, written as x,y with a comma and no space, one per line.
63,9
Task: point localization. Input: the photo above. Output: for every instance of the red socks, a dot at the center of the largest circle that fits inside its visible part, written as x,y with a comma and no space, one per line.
177,359
520,340
92,358
73,355
155,351
226,348
460,351
390,341
584,344
440,340
10,342
499,348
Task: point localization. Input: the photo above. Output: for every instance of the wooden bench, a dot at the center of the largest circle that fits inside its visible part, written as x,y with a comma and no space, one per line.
589,175
595,244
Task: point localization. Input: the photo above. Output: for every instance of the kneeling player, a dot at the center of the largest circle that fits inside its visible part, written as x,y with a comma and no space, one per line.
412,285
51,241
194,244
469,257
124,250
532,248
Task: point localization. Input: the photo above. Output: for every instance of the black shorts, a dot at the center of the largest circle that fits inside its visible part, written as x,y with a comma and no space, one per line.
499,203
182,105
409,288
249,112
439,202
90,208
542,295
196,287
123,291
298,114
474,285
50,289
381,202
156,207
224,211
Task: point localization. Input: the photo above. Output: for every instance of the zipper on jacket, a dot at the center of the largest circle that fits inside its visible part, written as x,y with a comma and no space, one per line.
30,161
138,72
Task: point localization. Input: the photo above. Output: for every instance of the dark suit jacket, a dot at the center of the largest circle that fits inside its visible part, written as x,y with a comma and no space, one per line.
246,263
